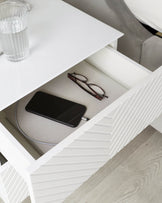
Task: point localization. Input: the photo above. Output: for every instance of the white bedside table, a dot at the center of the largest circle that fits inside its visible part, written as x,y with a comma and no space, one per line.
61,37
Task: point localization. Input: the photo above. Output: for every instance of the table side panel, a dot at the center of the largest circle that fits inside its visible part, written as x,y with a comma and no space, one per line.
14,152
14,188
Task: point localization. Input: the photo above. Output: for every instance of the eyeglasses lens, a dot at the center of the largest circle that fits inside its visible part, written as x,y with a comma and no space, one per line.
97,89
80,77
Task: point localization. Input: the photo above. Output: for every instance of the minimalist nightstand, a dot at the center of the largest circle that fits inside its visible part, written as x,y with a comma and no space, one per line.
66,39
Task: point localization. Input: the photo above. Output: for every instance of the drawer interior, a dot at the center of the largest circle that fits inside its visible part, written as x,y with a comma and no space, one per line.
108,69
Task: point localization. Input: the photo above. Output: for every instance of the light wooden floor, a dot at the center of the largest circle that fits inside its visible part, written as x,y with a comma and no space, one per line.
133,176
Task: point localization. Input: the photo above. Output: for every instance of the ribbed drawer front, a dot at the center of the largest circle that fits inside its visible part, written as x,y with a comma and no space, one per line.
142,106
84,152
65,172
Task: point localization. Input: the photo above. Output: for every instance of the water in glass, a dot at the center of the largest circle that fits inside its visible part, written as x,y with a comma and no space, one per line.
13,32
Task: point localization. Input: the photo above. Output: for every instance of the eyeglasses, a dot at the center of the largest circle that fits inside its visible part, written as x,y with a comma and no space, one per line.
82,81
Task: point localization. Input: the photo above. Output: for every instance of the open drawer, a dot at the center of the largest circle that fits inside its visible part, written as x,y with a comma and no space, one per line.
135,100
13,189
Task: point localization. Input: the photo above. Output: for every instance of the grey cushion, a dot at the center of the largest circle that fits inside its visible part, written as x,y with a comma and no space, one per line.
151,55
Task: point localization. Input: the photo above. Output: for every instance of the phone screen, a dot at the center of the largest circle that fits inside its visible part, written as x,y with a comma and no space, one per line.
56,108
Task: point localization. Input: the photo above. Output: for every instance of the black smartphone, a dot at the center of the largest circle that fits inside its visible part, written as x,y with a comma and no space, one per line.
57,109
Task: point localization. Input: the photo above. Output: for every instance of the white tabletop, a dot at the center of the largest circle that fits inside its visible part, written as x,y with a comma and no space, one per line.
60,37
147,11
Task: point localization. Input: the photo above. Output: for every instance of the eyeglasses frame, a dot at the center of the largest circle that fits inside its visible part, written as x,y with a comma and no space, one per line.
96,95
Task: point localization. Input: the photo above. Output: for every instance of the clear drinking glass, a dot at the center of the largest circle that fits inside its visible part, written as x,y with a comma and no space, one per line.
13,30
25,2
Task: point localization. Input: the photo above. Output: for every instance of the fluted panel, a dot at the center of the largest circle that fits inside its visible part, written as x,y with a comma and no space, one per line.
64,173
14,187
105,135
143,106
